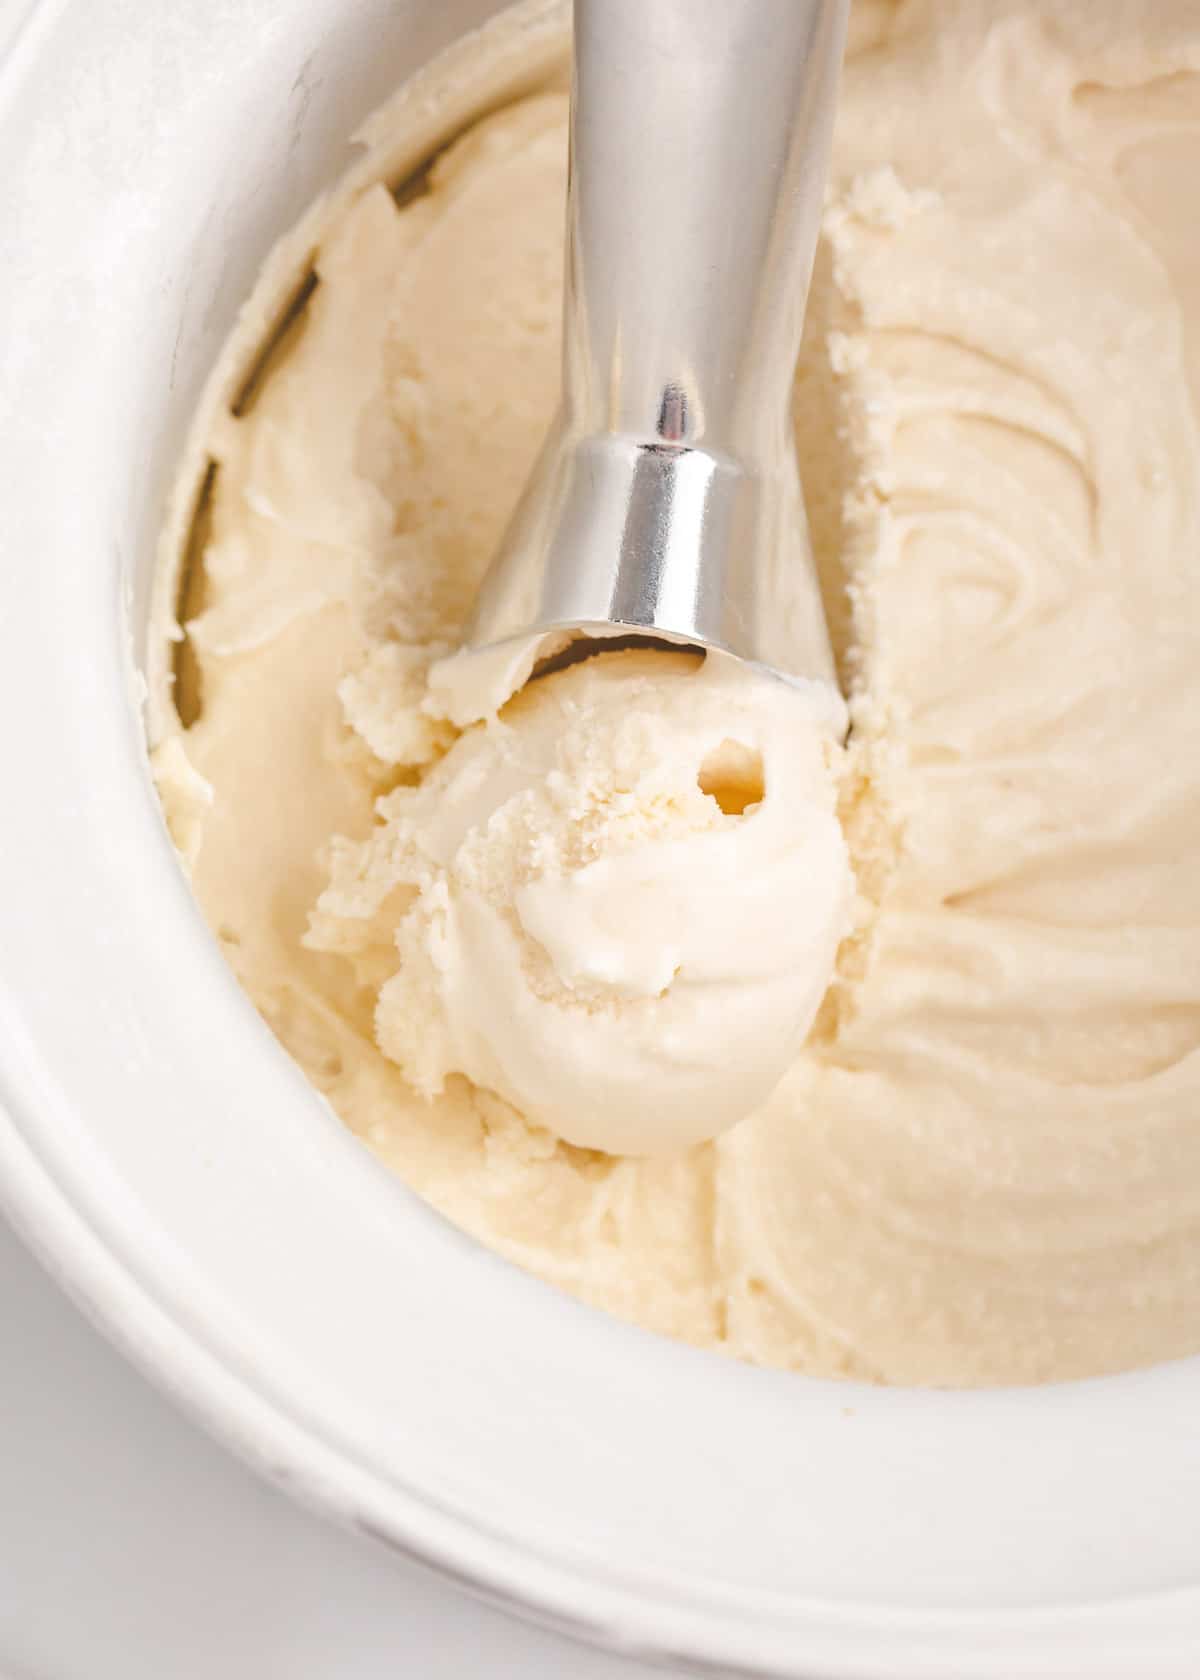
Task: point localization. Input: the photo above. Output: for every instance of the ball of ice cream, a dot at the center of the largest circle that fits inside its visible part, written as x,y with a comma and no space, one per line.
617,905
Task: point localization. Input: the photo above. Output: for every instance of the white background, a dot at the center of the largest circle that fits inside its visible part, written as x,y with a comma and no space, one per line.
134,1548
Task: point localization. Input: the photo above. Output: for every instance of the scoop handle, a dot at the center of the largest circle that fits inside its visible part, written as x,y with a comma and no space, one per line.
666,501
699,148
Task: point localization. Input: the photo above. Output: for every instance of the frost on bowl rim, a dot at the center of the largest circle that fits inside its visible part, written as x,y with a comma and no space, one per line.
227,1232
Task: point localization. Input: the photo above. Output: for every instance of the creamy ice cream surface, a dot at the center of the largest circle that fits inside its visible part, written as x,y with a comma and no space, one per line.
617,905
938,989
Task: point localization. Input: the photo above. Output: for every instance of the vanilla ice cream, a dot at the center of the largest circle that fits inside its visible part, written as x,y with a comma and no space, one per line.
617,905
508,954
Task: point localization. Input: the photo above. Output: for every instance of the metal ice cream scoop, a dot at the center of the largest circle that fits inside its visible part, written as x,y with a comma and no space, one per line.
666,502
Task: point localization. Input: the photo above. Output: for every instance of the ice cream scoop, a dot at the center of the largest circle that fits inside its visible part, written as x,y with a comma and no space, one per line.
666,501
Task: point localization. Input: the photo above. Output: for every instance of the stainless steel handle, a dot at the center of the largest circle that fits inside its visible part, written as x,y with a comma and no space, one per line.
700,140
666,500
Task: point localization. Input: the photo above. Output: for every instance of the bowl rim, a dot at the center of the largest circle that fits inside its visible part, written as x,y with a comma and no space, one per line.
837,1644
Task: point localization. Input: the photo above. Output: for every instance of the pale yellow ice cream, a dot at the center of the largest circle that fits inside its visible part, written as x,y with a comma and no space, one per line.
617,905
984,1163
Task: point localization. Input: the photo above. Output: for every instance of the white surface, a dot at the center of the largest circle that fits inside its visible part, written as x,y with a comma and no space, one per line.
184,1177
134,1548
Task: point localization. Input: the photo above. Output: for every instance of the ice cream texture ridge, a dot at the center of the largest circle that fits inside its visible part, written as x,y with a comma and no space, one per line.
874,1057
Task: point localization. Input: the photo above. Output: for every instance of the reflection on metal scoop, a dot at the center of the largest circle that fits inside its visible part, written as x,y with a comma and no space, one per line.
666,501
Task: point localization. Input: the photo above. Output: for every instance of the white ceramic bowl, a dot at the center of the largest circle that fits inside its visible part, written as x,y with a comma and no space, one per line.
187,1186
